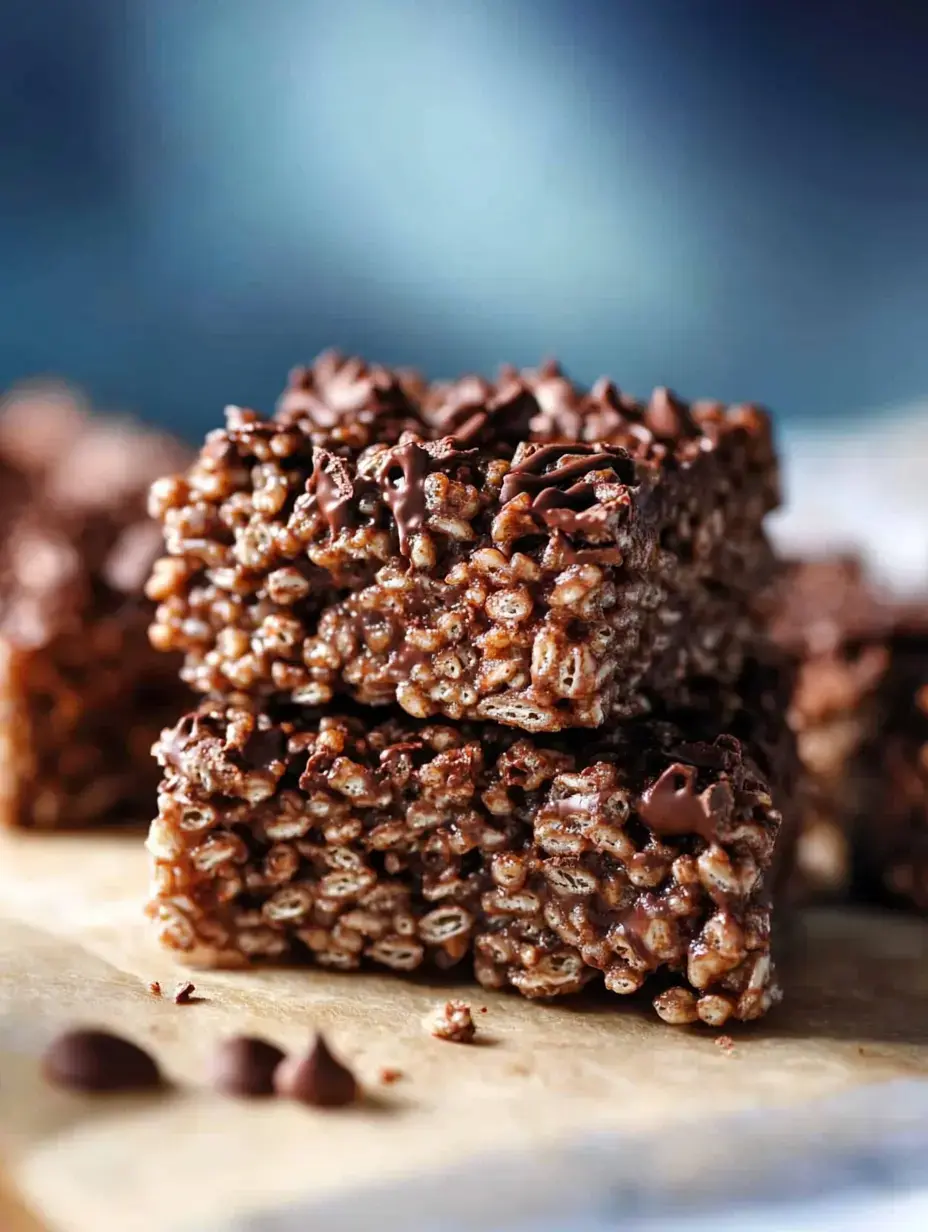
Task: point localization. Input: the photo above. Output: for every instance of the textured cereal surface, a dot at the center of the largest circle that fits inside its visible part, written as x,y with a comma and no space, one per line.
522,552
546,862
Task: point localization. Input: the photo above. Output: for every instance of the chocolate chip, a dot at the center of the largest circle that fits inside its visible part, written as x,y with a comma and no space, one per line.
666,416
245,1066
472,411
94,1060
318,1078
672,806
183,993
461,408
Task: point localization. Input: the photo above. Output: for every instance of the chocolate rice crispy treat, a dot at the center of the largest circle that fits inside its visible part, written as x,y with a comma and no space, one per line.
82,694
646,854
857,710
890,822
828,615
521,552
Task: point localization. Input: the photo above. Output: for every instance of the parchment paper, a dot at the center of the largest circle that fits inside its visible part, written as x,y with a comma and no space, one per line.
74,946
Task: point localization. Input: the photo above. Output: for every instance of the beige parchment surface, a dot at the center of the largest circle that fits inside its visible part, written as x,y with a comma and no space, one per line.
74,947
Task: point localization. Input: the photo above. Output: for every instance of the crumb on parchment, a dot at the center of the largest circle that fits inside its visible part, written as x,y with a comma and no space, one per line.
452,1021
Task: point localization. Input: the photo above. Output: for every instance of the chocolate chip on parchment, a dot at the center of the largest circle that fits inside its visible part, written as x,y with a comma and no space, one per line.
183,993
99,1061
245,1066
317,1078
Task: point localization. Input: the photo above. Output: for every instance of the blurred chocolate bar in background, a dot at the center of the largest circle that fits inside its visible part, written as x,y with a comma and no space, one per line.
860,713
82,695
891,816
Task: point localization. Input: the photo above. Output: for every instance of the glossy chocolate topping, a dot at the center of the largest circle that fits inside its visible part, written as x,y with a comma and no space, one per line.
332,484
672,807
403,485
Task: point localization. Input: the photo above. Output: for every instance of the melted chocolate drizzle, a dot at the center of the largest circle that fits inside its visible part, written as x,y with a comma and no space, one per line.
531,475
405,494
332,485
672,808
635,922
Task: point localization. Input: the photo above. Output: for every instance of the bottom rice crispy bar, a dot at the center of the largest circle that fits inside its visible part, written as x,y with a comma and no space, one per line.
648,854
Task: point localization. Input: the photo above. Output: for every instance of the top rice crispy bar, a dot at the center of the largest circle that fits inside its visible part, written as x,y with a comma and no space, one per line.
522,552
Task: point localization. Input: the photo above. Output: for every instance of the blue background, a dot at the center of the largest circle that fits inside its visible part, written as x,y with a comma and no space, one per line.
731,198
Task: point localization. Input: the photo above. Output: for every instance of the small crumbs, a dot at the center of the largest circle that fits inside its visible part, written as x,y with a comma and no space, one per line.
483,1009
725,1043
451,1021
183,993
388,1076
522,1071
154,988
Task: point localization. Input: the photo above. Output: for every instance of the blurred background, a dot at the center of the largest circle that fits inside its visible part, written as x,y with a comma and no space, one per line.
728,197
